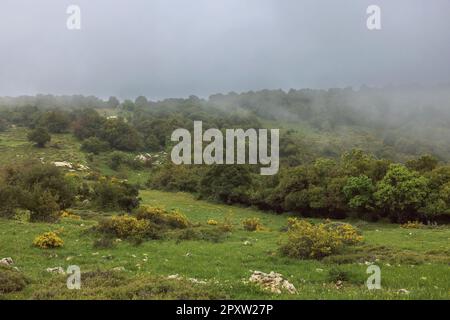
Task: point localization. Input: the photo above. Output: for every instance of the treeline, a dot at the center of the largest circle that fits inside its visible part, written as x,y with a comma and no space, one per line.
134,129
395,123
357,185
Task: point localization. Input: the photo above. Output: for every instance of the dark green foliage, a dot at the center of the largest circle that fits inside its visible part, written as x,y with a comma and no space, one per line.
87,123
55,121
119,159
423,164
4,125
41,189
401,193
113,194
39,136
94,145
121,135
229,184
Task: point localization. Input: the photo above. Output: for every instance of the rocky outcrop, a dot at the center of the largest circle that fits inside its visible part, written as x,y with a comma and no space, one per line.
273,282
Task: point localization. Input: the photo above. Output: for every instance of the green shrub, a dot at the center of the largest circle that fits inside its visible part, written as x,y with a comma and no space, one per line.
43,206
11,280
39,136
94,145
42,189
114,194
104,243
203,234
338,274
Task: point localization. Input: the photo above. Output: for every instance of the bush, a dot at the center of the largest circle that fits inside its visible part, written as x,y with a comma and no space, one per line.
227,224
41,189
413,225
48,240
8,200
158,216
43,206
252,224
113,194
203,234
40,136
94,145
124,227
120,159
70,215
104,243
347,233
306,240
11,280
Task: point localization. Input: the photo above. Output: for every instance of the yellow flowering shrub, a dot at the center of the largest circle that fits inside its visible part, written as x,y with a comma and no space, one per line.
227,224
346,232
161,217
124,226
48,240
309,241
212,222
69,215
252,224
413,225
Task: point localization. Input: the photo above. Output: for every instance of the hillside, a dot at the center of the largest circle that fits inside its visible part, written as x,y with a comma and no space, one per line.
414,262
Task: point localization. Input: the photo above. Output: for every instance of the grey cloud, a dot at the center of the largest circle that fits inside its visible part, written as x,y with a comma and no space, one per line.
172,48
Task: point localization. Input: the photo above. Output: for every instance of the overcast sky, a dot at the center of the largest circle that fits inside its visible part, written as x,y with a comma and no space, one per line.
174,48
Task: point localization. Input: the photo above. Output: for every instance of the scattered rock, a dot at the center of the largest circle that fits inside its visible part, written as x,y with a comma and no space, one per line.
57,270
63,164
7,261
319,270
247,243
272,282
197,281
119,269
174,277
403,291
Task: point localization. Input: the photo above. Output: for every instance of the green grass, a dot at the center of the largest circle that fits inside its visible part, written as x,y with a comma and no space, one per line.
426,275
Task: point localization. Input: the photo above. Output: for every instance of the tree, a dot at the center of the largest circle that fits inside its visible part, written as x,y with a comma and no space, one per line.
141,102
423,164
3,125
359,193
121,135
113,102
40,136
94,145
228,183
402,193
56,121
